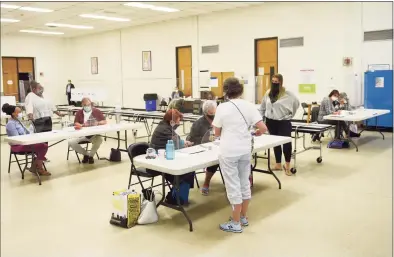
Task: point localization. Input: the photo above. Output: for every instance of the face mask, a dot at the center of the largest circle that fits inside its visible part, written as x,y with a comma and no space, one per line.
334,98
211,117
87,108
275,87
20,116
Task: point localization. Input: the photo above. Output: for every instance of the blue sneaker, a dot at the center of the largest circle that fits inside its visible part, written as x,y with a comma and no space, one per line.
231,226
243,220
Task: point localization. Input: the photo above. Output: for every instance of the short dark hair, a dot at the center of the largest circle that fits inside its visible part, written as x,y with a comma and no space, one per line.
233,88
333,92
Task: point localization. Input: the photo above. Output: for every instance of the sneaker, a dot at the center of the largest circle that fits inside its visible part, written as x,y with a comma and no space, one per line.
244,221
85,159
205,191
231,226
91,160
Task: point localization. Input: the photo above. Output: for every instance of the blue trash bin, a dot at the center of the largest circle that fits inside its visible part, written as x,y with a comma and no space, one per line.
150,102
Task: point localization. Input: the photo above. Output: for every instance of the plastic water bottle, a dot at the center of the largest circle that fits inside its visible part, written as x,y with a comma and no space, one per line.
170,150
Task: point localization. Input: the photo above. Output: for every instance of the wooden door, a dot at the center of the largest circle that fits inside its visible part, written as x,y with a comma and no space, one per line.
26,65
266,57
184,69
221,76
10,77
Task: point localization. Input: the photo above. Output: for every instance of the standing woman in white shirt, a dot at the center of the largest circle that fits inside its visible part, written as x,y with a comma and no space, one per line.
40,109
232,122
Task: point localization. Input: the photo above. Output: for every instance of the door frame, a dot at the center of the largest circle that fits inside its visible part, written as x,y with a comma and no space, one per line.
255,53
176,61
17,68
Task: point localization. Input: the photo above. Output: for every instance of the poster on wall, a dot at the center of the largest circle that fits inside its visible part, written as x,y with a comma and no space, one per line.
146,61
379,82
307,83
94,65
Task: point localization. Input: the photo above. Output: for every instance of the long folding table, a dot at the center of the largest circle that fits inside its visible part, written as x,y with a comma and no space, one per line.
199,157
68,133
355,116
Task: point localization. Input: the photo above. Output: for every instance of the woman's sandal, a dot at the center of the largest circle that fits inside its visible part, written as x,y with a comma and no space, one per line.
287,172
44,173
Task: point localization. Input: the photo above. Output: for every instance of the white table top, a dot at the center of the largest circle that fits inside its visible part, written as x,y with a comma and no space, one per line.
185,163
356,115
67,133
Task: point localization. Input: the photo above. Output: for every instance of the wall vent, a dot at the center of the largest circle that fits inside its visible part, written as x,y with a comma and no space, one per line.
386,34
291,42
210,49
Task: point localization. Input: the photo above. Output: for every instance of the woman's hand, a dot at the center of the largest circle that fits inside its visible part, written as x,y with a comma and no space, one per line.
188,143
258,132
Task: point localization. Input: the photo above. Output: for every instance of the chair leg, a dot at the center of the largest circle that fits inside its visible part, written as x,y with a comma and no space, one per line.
68,152
98,157
17,161
221,175
131,174
9,162
45,168
151,183
77,157
139,179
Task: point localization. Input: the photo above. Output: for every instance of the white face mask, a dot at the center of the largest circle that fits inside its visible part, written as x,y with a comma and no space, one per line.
334,98
20,116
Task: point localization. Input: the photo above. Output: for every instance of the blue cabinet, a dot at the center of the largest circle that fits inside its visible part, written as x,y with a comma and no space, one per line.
378,94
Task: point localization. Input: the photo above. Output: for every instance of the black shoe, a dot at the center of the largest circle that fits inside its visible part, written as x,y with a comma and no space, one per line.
91,160
85,159
316,137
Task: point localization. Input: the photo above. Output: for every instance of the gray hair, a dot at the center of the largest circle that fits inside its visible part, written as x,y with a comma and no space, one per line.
208,105
343,95
86,98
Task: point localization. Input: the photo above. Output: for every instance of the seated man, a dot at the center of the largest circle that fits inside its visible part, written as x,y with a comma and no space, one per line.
87,117
199,132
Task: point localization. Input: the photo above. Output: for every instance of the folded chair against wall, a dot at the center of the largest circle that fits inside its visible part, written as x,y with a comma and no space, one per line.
81,143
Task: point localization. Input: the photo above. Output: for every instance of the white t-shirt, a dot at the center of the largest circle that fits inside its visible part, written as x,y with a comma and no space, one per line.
86,116
39,106
235,139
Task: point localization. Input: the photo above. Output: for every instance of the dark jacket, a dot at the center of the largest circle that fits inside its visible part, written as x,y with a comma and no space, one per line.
71,87
199,130
162,134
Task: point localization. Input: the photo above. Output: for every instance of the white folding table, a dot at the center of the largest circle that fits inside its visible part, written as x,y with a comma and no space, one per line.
69,133
358,115
208,155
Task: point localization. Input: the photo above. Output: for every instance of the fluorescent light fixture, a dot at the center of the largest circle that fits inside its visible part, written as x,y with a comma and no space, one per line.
94,16
34,9
68,26
9,6
151,7
41,32
9,20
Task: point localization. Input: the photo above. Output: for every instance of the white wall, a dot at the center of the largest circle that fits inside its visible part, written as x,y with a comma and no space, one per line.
50,58
331,31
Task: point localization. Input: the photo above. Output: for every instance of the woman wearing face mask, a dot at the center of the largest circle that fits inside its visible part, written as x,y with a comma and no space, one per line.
40,109
278,107
177,93
327,107
165,131
15,128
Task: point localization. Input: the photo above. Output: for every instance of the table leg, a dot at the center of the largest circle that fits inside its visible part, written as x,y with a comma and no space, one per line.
125,139
118,133
177,207
268,171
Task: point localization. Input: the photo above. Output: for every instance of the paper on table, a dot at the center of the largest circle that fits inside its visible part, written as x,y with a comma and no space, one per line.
192,150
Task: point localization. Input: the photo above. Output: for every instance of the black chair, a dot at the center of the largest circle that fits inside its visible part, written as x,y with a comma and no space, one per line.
29,156
135,150
305,109
81,143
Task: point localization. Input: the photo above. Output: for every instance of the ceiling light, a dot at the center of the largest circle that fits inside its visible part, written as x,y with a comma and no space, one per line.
9,20
93,16
152,7
41,32
68,26
9,6
34,9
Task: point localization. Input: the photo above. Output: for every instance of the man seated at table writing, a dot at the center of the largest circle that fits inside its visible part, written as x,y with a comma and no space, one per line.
87,117
199,133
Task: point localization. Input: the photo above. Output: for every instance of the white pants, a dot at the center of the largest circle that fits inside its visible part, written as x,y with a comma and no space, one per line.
95,140
236,172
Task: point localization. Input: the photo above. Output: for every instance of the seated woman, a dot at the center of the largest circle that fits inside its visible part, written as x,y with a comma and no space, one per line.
15,128
165,131
327,108
177,93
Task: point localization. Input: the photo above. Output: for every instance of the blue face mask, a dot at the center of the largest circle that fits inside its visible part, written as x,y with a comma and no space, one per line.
87,108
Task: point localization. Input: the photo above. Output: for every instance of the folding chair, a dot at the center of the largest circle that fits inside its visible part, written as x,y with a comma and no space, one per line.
81,143
28,159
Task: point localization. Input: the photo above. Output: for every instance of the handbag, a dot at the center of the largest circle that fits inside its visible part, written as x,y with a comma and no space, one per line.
115,155
148,213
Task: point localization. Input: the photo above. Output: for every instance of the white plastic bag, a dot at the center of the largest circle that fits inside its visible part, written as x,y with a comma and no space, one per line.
353,128
148,213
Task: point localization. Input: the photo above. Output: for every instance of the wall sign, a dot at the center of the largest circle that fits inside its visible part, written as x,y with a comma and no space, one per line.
146,61
94,65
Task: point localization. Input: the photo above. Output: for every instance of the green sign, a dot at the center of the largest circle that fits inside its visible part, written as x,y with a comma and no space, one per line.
307,88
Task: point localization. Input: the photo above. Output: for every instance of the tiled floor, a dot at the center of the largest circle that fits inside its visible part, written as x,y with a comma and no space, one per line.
342,207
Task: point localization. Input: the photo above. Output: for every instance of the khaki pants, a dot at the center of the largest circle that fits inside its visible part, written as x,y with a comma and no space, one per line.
95,141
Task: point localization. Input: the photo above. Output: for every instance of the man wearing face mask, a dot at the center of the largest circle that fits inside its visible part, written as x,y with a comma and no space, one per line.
278,107
199,134
40,109
327,108
177,93
87,117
